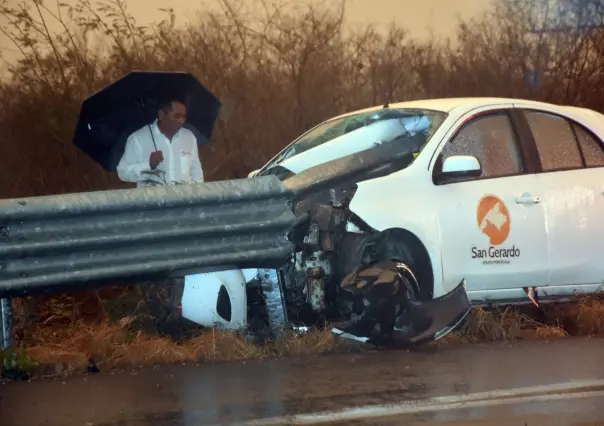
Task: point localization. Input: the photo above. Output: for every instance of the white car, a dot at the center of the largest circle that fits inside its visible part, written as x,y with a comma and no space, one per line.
506,194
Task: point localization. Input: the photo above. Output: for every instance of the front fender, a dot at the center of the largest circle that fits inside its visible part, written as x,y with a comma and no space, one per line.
382,205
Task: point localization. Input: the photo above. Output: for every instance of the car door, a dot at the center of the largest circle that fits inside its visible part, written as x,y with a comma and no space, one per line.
492,227
572,177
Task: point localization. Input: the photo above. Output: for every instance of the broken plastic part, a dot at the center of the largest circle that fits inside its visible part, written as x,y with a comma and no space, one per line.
432,319
346,335
216,299
391,316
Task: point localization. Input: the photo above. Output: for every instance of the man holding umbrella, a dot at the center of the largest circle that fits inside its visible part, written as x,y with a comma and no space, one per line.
136,127
161,153
163,147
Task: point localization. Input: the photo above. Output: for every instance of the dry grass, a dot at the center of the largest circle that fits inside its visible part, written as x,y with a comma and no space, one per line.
588,316
117,345
583,317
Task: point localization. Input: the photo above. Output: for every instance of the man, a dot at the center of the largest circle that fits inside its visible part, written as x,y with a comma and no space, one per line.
163,153
163,148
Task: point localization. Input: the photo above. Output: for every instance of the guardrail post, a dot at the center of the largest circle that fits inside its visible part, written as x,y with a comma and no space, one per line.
6,323
273,298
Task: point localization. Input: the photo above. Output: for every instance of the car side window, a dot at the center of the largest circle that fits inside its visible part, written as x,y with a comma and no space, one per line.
555,140
591,146
492,140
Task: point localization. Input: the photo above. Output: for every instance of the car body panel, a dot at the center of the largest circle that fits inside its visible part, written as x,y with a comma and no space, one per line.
573,205
573,202
466,249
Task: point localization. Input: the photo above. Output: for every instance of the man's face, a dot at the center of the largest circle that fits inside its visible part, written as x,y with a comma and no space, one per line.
174,118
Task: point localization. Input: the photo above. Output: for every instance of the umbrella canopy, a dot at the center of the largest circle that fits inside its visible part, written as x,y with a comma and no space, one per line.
109,116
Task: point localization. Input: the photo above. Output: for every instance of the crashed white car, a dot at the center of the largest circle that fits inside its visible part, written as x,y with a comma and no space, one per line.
504,196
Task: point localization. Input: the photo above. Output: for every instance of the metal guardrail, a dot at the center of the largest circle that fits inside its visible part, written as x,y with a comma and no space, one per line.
91,239
378,161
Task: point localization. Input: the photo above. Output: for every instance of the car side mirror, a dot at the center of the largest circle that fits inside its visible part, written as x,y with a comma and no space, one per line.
253,173
461,166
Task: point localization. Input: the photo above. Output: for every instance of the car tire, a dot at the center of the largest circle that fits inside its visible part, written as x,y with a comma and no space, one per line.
380,291
398,246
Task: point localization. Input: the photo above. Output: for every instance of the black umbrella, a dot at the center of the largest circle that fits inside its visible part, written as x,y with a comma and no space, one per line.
109,116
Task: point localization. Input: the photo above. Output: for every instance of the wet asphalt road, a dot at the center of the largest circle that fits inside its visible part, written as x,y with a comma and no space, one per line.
455,385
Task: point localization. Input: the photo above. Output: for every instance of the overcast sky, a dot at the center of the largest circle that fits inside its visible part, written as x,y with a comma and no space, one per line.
418,16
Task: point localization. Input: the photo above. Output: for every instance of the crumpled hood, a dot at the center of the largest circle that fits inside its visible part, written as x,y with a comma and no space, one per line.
353,142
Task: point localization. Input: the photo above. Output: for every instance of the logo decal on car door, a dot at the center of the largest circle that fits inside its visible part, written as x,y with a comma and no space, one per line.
495,223
493,219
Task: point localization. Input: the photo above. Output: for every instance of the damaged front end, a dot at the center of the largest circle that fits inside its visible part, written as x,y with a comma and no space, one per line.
343,273
392,317
338,277
346,274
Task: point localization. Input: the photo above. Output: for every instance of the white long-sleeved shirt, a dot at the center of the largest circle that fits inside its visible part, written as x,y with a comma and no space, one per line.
181,158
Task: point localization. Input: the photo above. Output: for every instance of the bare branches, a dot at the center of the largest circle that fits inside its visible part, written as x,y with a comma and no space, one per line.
279,69
52,44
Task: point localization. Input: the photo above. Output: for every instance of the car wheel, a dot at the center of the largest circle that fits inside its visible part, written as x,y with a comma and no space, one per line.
402,246
380,291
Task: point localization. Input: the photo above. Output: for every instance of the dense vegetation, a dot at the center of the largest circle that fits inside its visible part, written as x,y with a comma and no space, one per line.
278,72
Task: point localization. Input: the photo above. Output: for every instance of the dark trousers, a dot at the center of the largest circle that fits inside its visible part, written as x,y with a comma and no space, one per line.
163,299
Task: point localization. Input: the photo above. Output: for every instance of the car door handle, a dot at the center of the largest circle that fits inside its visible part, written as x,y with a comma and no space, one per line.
527,198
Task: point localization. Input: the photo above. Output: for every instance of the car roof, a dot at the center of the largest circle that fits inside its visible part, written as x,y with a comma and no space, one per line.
449,104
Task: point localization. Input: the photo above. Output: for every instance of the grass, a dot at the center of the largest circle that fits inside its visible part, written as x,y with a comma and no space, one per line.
67,350
116,345
581,317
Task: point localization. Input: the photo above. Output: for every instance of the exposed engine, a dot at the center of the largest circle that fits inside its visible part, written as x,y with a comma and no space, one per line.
322,284
314,275
342,275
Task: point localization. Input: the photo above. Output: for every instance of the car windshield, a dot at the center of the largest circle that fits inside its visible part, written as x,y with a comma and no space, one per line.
383,125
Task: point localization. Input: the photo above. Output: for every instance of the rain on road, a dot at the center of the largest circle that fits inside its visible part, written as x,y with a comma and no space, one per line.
523,383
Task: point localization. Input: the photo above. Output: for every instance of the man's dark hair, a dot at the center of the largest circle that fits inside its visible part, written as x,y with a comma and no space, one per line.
165,102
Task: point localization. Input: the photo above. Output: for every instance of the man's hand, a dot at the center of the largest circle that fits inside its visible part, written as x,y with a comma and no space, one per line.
155,158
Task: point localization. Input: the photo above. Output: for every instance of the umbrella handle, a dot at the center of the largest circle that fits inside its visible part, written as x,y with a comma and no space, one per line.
152,137
149,126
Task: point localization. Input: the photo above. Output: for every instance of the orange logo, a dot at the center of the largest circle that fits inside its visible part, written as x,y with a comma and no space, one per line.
493,219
